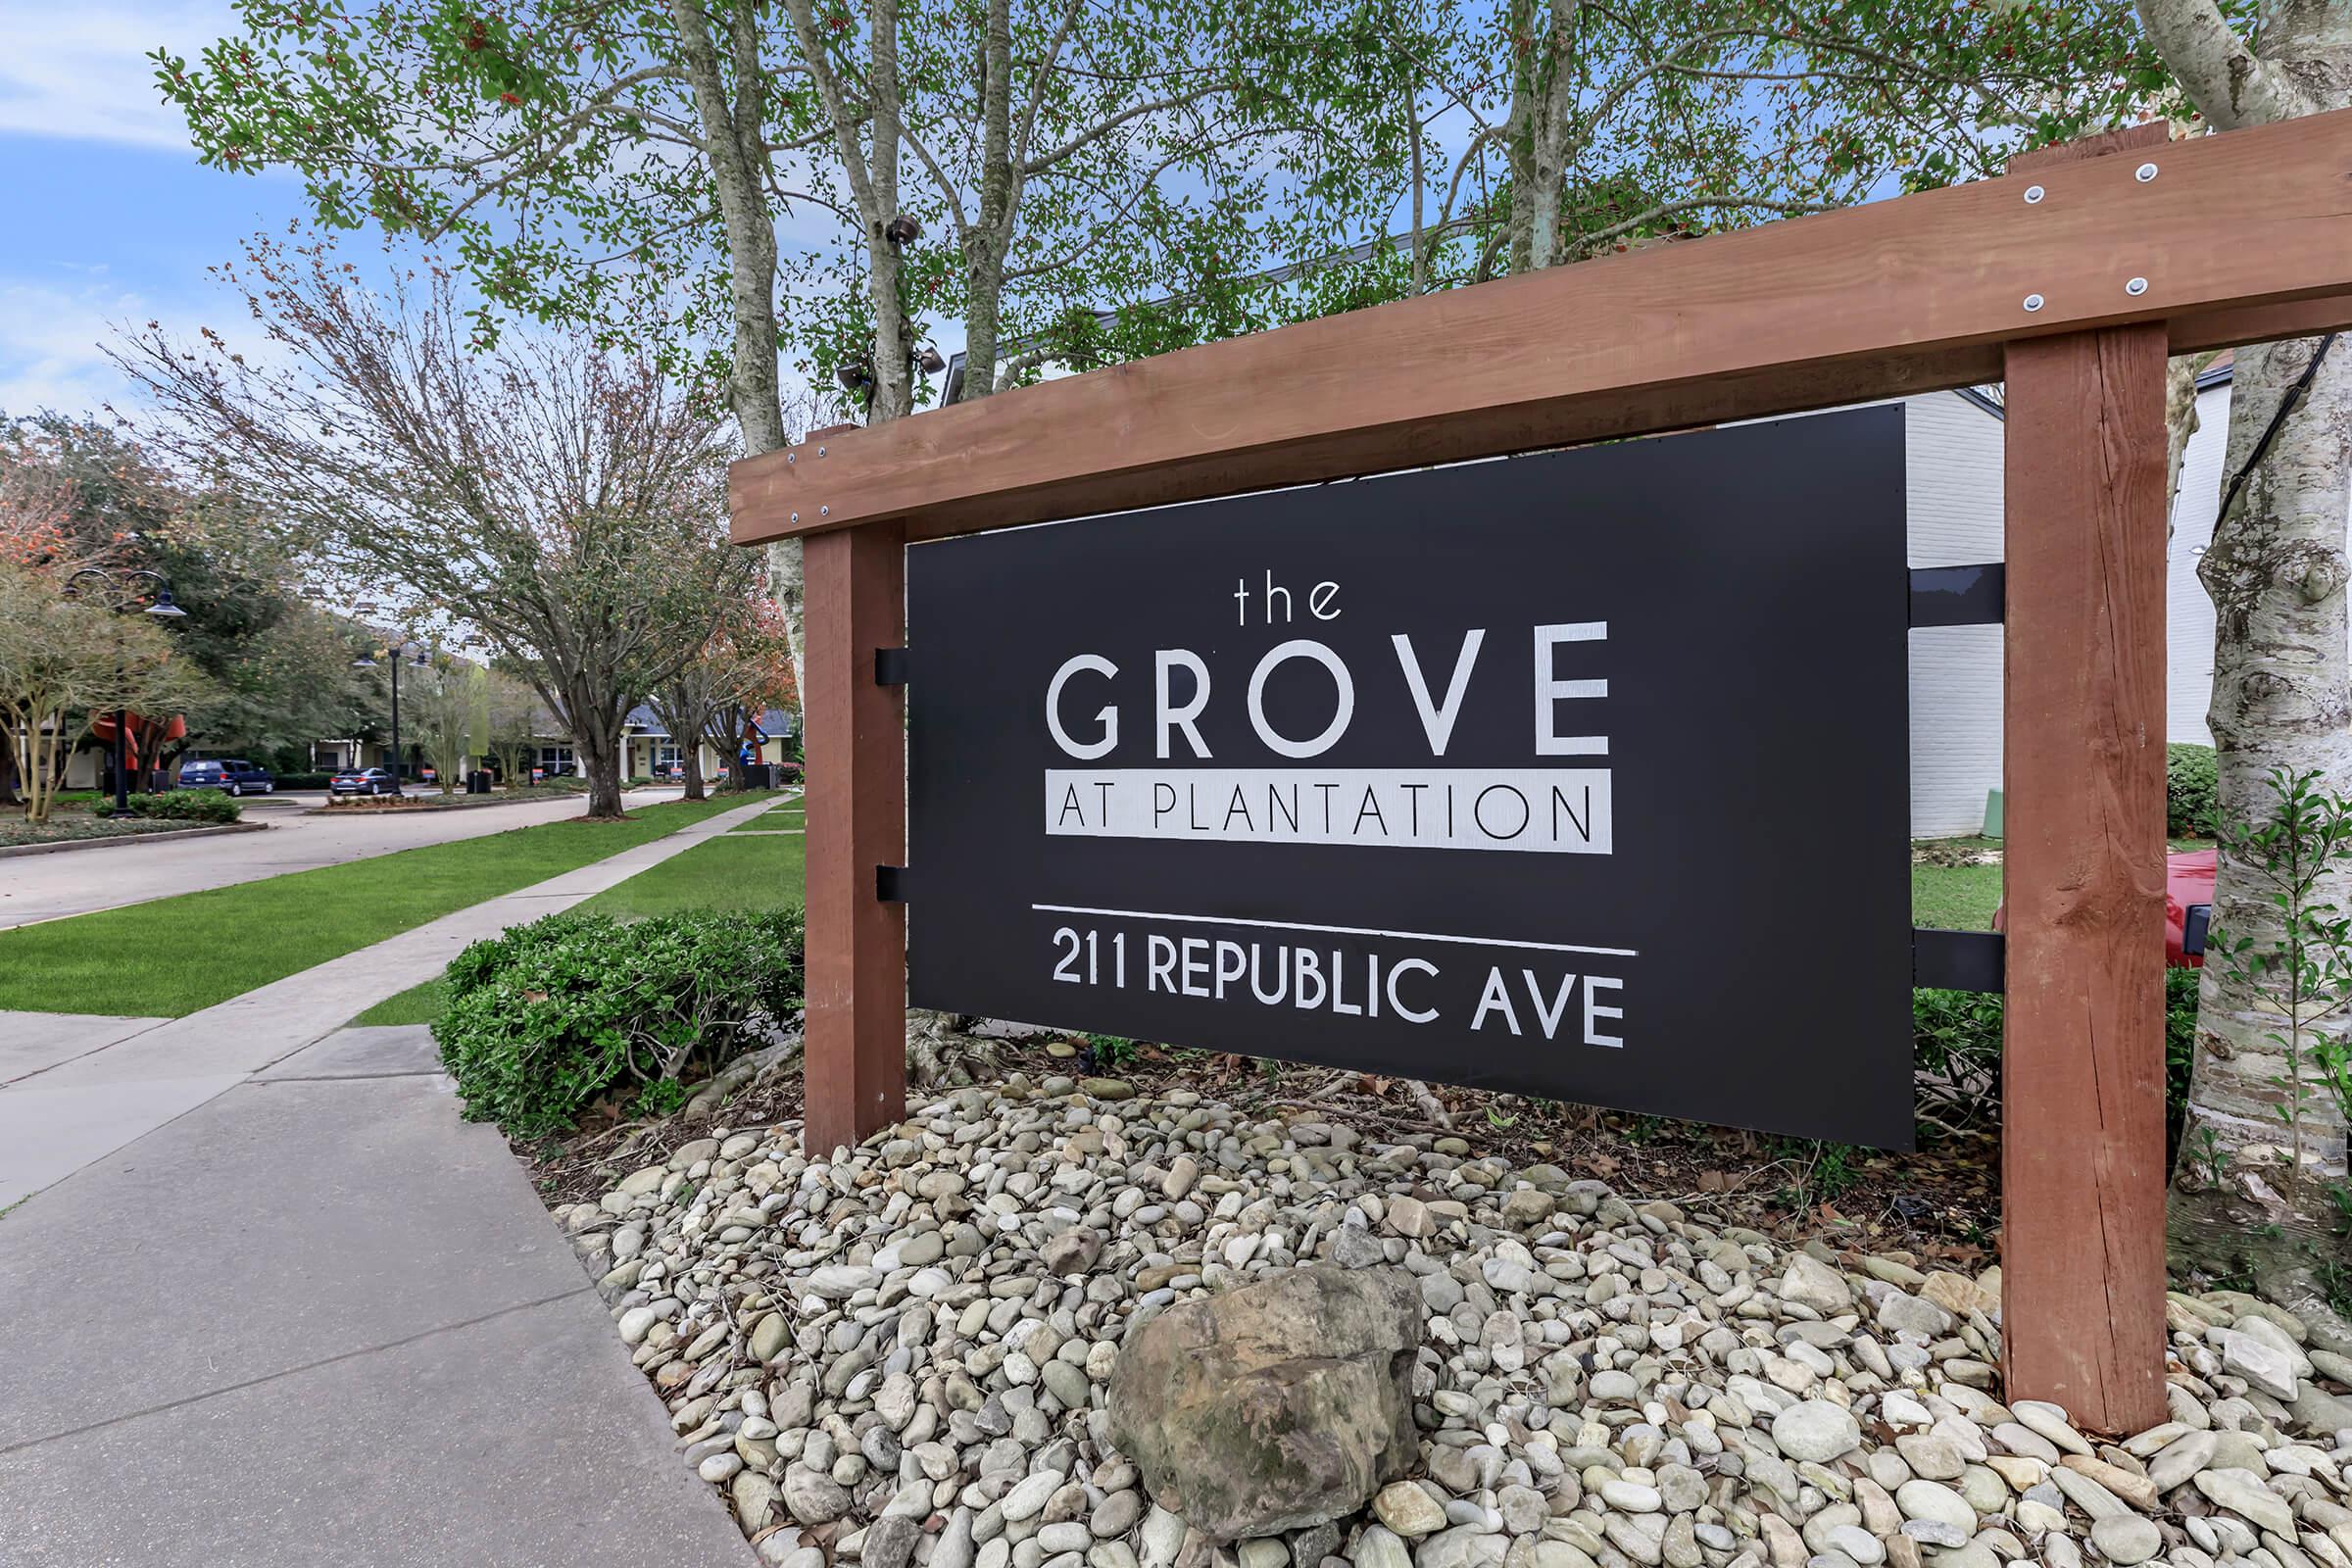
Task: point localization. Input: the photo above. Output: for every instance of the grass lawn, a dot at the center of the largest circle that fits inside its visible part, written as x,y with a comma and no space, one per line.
175,955
721,873
417,1004
1962,898
792,811
1955,898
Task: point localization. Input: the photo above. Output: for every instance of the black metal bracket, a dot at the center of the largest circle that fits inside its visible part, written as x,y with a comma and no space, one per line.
890,884
1958,961
1959,596
2196,927
890,666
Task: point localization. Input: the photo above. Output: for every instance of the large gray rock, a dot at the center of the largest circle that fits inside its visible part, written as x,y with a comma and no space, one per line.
1276,1406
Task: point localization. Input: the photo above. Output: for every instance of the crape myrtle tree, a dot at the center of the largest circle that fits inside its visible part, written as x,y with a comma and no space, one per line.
764,678
662,173
743,670
276,668
514,711
2281,693
562,500
451,706
67,656
40,546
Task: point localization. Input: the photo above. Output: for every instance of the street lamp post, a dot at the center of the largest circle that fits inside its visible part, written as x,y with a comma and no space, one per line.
163,608
417,654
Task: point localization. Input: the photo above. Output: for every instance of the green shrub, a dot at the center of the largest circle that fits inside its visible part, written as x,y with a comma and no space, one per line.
1956,1050
2179,1049
180,805
2191,792
555,1016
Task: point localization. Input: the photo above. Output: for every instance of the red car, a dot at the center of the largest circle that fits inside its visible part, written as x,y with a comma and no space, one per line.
2188,906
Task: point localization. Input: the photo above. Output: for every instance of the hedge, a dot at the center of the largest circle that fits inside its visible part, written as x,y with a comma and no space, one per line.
2191,791
573,1010
178,805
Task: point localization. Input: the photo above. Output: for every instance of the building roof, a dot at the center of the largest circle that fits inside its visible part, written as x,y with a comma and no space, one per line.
643,720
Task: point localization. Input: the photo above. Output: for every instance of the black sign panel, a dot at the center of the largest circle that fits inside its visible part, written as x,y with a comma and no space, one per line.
1582,775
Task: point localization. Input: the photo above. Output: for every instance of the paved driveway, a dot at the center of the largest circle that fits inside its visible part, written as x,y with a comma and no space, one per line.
47,887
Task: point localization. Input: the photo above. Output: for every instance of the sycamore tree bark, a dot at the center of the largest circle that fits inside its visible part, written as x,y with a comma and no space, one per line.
2180,424
741,170
2277,573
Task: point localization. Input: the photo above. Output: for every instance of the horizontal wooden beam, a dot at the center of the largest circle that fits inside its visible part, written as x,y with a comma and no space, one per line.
2238,236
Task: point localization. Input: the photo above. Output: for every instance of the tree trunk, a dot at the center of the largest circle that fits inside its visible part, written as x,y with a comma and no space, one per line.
732,144
2277,573
693,755
2281,698
596,737
987,241
2180,424
603,767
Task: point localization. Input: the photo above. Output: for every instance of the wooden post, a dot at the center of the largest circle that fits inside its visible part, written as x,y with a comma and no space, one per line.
856,1050
2083,1175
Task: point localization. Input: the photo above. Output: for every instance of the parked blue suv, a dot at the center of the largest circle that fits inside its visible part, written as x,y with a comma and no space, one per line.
235,775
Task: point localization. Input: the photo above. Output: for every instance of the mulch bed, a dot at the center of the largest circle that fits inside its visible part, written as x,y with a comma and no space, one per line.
64,828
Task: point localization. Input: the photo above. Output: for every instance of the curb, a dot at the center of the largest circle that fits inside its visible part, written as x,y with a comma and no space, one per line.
61,846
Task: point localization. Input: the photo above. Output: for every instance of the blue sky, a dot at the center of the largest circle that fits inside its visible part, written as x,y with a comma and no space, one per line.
111,221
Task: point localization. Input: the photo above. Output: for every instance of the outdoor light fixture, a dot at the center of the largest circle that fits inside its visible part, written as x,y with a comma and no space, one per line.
416,654
931,362
903,230
164,609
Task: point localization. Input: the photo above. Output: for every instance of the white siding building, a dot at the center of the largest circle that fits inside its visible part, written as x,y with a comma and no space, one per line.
2187,611
1954,450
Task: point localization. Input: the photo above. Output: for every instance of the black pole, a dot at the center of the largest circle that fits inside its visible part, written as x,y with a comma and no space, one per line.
396,718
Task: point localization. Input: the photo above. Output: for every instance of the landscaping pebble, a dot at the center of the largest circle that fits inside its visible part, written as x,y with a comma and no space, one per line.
904,1360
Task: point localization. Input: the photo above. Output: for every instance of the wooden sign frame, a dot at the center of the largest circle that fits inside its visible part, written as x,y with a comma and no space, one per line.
2070,278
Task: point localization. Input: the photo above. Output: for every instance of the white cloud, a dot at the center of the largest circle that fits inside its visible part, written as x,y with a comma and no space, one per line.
49,346
53,340
79,69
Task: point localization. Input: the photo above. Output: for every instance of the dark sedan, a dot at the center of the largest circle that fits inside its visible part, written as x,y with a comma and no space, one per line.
234,775
362,781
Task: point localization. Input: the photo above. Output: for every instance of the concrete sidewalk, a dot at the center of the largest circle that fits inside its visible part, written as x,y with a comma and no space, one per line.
318,1319
80,1089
